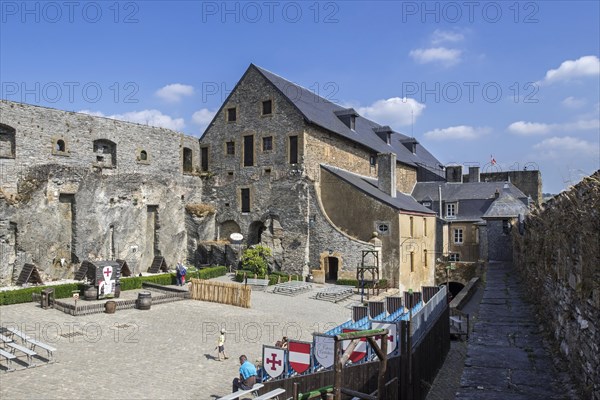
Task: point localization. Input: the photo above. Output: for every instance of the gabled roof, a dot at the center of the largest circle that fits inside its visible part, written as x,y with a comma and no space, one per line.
506,206
474,198
368,186
322,112
462,191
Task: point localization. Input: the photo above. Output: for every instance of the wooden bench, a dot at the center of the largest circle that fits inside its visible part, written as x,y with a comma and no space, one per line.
28,353
32,342
239,393
273,394
9,357
260,283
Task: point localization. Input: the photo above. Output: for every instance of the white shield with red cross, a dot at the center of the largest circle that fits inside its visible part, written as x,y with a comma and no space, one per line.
273,361
392,334
361,349
107,272
299,355
324,350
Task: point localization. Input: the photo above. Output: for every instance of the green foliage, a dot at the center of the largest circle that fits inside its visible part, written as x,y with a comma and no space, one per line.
25,295
135,282
255,259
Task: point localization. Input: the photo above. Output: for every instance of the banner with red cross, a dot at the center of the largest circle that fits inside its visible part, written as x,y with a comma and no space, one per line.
274,361
392,335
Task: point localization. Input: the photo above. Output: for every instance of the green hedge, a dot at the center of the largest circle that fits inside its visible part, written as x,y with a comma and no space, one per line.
135,282
273,277
368,284
24,295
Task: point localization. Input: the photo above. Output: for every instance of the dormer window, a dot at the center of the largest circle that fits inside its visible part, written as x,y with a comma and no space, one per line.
384,133
410,144
348,117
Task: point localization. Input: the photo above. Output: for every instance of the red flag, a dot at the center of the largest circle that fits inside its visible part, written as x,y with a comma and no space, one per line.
493,160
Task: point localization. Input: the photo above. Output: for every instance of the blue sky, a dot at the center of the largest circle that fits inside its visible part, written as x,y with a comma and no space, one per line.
516,81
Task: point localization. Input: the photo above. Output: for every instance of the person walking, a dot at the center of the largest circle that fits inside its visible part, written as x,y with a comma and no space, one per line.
221,346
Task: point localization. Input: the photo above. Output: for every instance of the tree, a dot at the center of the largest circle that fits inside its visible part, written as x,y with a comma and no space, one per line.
255,259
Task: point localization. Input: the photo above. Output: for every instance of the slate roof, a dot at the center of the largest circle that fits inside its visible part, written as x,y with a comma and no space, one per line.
322,112
506,206
474,198
368,185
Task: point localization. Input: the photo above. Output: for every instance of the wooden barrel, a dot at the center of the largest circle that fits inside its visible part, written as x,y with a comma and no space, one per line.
90,293
110,307
144,300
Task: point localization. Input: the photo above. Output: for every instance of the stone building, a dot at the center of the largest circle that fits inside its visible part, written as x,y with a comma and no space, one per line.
472,227
76,187
296,172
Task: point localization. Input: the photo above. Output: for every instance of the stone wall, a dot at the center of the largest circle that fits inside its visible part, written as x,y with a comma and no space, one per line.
81,187
559,257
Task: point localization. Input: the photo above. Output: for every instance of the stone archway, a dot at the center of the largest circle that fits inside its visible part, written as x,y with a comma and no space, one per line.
330,267
226,228
255,232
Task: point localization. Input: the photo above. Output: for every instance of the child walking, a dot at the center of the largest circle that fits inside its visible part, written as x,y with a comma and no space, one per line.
221,346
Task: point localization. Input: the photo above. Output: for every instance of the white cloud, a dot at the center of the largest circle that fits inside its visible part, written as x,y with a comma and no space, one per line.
572,102
203,117
536,128
529,128
443,55
144,117
555,147
462,132
174,92
440,36
393,111
582,67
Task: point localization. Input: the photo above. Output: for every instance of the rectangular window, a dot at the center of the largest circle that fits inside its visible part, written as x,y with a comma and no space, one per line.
248,151
293,149
204,155
267,143
267,107
353,122
373,160
424,226
451,210
412,261
458,236
245,197
425,263
454,257
230,148
505,227
231,114
412,227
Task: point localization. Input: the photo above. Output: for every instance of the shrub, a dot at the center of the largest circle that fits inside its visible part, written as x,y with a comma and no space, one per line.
255,259
25,295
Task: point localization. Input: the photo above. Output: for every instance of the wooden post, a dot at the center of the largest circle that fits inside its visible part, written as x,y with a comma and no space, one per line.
337,373
295,393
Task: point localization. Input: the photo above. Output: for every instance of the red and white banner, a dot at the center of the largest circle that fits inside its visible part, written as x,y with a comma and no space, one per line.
361,349
392,334
299,355
273,361
323,350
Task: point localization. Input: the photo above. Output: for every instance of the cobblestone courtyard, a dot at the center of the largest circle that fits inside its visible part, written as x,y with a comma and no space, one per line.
164,353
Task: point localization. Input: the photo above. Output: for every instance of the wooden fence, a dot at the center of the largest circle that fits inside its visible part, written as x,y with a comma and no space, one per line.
221,292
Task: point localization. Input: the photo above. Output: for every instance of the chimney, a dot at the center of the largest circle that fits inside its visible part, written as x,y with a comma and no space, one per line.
454,173
386,173
497,194
474,174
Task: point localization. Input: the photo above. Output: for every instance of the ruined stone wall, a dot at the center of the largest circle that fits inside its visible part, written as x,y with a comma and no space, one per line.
39,130
559,258
80,187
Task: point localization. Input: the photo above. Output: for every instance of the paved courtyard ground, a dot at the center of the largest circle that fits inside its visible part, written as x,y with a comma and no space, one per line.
164,353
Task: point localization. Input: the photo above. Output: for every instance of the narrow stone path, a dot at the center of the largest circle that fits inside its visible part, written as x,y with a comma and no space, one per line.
506,357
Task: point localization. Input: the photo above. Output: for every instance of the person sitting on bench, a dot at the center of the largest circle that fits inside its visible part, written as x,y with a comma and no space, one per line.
247,377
